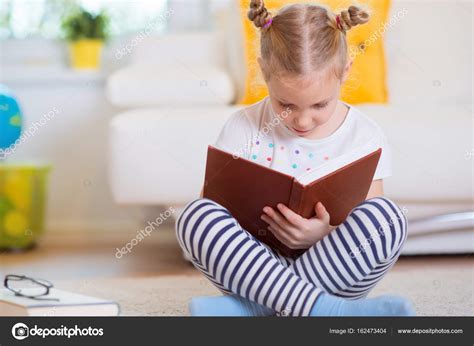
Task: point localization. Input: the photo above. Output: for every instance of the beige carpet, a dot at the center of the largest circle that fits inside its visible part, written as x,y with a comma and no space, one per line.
434,290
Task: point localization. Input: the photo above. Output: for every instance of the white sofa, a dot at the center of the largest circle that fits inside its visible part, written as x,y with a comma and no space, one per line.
181,89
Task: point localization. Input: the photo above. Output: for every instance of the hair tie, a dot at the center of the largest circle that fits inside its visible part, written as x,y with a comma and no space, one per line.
338,23
267,24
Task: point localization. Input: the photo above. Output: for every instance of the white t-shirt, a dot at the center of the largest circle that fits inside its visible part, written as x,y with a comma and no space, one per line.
256,133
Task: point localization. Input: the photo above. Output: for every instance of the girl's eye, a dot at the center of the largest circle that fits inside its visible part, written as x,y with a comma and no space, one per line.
286,105
321,106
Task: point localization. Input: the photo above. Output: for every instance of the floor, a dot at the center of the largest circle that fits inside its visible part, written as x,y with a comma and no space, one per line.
154,279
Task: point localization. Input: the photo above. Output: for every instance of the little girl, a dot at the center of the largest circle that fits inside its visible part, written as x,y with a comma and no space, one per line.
304,61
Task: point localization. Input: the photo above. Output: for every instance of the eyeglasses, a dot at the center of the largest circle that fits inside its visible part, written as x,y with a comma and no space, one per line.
27,287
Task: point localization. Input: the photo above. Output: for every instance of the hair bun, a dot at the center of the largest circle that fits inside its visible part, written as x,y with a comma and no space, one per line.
258,14
353,16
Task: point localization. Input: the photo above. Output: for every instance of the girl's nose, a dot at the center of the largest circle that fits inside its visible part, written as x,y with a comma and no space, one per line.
303,122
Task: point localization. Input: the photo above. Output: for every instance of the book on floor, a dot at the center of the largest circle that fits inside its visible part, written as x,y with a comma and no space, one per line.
68,304
245,188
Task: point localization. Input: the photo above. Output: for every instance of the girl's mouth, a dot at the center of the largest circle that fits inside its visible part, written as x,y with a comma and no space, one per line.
301,132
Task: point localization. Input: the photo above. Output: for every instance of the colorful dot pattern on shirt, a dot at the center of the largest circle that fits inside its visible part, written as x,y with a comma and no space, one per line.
268,157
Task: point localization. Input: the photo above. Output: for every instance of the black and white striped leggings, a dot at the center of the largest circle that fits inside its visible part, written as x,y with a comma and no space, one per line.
346,263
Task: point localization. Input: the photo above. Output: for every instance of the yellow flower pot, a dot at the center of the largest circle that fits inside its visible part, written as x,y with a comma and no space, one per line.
86,53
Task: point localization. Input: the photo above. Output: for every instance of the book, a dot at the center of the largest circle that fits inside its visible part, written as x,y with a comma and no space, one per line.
245,188
69,304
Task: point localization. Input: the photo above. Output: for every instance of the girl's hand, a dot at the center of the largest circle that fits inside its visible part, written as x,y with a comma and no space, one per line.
295,231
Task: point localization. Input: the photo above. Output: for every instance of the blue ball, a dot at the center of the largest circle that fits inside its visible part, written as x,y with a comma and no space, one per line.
10,118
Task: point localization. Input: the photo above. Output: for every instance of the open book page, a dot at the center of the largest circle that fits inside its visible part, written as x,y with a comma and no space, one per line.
336,163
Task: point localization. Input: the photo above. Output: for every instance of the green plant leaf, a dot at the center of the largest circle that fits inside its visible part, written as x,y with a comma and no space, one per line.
82,24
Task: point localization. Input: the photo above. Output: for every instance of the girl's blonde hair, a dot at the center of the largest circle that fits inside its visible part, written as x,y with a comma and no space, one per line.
302,38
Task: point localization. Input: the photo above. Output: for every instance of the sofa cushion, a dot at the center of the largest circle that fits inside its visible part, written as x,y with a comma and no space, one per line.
152,84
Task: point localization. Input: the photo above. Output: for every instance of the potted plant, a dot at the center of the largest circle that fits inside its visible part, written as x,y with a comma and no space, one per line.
86,34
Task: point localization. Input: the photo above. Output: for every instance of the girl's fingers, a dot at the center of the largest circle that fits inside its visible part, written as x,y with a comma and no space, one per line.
321,213
293,218
273,224
281,236
278,218
285,233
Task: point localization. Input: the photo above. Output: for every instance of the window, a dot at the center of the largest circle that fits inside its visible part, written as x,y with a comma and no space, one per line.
42,18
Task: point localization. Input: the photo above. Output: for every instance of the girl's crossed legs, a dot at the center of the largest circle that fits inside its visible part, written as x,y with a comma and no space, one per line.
347,263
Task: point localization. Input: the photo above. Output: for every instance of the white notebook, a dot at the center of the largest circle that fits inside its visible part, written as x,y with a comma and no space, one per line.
69,304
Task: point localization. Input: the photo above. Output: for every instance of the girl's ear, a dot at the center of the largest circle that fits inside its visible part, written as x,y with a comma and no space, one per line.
346,70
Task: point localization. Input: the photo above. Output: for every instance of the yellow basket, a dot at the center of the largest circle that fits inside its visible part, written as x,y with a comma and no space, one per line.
22,204
86,53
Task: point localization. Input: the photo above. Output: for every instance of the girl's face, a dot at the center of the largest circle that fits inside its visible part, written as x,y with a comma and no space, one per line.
312,100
